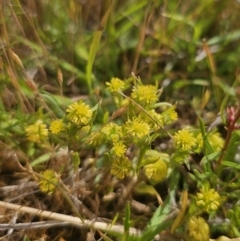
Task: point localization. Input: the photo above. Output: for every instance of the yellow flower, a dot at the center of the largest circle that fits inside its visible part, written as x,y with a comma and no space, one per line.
48,181
96,138
137,129
155,123
216,141
169,115
37,132
184,140
145,94
57,126
112,132
198,229
121,167
156,172
115,85
208,200
118,149
79,113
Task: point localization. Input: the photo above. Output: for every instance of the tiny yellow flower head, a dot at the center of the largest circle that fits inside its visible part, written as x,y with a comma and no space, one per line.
137,129
37,132
112,132
79,113
121,167
216,141
115,85
184,140
156,172
145,94
118,149
169,115
209,200
158,119
198,229
48,181
96,138
57,126
155,121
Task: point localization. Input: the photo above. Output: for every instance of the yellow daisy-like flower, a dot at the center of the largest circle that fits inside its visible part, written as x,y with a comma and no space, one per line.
112,132
208,200
96,138
37,132
156,172
48,181
145,94
184,140
121,167
118,149
198,229
169,116
115,85
57,126
137,129
79,113
155,122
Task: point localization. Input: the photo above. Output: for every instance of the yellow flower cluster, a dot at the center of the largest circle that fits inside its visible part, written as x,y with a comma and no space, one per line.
137,129
37,132
156,172
121,167
79,113
169,116
115,85
154,119
184,140
112,132
48,181
118,149
145,94
57,126
209,200
198,229
216,141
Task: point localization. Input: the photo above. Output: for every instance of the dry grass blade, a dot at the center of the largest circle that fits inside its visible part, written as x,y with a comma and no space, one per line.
33,225
72,220
65,220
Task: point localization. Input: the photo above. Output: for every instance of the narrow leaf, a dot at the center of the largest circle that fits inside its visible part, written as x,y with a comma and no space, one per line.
94,47
182,212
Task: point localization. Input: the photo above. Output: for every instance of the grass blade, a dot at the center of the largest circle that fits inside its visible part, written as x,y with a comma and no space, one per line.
94,47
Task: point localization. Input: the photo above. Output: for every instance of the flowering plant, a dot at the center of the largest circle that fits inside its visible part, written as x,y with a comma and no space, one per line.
127,145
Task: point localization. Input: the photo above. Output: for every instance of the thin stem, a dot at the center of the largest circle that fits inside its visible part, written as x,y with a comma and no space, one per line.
230,129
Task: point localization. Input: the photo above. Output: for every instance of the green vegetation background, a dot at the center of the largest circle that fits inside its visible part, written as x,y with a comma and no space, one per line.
55,52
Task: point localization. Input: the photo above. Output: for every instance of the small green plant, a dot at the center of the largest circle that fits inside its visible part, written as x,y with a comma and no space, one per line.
143,144
125,139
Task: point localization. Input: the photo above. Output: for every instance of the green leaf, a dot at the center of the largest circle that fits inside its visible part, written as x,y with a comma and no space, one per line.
52,103
207,148
231,164
42,159
211,157
151,156
75,160
127,223
161,104
143,188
